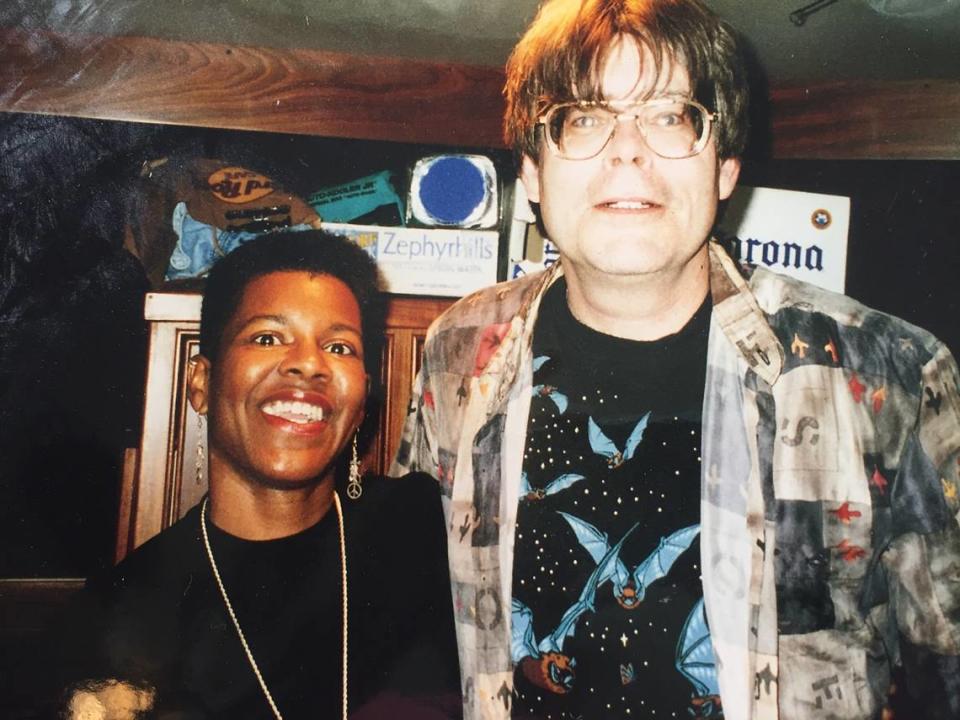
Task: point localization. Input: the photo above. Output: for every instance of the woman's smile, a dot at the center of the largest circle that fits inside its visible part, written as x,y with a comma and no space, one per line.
297,411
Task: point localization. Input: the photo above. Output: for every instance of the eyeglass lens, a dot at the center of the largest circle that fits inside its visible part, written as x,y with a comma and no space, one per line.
671,129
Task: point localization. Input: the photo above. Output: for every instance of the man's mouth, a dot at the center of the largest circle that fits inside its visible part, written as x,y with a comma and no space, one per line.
627,205
294,411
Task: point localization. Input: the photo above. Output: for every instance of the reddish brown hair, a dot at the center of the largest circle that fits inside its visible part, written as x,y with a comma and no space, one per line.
560,57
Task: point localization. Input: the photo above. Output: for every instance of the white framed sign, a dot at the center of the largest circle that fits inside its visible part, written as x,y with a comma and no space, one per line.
800,234
428,261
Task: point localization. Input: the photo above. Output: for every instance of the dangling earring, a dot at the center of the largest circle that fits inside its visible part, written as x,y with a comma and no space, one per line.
201,460
354,488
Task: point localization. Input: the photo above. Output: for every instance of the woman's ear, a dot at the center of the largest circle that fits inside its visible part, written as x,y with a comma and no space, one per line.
198,383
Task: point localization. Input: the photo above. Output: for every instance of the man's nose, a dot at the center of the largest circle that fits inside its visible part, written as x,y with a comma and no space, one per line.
628,143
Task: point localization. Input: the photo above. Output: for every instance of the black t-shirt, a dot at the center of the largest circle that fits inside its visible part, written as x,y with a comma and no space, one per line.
159,620
607,596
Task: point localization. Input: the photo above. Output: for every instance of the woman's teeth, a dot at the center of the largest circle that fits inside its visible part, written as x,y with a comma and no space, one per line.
294,411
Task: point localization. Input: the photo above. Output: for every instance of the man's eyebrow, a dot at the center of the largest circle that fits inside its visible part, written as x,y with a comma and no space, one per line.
664,95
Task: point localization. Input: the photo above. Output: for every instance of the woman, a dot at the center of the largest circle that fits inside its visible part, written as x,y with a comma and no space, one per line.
238,610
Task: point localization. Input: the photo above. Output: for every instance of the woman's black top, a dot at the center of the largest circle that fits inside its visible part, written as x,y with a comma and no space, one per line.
158,618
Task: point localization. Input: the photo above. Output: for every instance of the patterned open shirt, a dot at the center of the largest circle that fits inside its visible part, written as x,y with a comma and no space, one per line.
830,542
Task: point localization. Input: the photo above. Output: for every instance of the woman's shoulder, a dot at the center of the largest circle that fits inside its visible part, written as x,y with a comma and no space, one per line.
398,513
162,562
408,493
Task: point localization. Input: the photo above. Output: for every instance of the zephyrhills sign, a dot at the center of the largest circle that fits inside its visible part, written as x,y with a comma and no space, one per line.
428,261
800,234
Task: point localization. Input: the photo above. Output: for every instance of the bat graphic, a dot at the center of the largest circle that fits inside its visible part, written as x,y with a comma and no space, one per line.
549,391
630,588
552,488
544,663
602,445
698,664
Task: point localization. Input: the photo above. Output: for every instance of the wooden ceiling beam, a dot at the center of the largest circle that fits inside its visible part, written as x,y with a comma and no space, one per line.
246,88
861,120
332,94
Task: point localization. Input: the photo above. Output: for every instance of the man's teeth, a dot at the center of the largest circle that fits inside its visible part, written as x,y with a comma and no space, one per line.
295,411
628,205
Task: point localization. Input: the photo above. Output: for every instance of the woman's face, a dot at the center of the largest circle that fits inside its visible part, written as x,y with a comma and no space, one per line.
287,392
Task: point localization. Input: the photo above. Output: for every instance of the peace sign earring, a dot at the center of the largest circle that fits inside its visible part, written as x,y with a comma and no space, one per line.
354,488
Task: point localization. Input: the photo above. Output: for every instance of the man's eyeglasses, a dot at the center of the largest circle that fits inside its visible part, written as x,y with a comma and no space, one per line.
672,128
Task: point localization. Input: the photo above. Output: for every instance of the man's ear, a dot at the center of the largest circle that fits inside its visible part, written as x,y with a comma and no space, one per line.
727,175
530,177
198,383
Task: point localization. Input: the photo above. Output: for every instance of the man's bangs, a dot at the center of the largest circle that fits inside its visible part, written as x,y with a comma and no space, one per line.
576,72
586,75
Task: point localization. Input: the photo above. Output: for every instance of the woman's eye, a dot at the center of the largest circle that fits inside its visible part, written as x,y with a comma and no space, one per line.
266,340
340,348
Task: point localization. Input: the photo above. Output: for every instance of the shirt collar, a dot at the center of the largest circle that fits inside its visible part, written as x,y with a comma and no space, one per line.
734,306
739,315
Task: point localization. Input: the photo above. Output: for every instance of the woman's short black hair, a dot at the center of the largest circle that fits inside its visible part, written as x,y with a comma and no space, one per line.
311,251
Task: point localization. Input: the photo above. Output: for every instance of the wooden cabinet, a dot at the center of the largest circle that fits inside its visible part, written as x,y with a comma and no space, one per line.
161,481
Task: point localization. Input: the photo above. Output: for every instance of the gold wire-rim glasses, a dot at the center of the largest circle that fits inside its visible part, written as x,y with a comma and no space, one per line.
618,111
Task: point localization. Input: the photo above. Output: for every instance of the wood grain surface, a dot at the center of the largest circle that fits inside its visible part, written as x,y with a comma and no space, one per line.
211,85
386,98
867,120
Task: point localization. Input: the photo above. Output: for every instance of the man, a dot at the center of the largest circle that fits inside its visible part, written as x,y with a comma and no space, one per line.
673,490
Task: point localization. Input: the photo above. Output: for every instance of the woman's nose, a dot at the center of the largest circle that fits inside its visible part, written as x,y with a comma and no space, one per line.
305,359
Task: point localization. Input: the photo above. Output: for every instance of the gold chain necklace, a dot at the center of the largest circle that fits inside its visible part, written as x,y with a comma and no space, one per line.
236,623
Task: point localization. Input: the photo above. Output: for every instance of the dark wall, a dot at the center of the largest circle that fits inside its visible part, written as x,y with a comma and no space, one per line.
73,342
903,255
72,335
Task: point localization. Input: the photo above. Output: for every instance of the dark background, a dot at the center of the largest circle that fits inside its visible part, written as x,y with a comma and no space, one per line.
903,255
73,341
72,334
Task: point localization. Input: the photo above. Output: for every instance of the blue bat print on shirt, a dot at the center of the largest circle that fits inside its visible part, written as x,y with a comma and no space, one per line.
604,446
630,588
549,391
544,663
696,661
562,482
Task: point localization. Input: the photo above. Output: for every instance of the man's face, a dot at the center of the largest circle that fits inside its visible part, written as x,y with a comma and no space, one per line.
288,389
628,211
